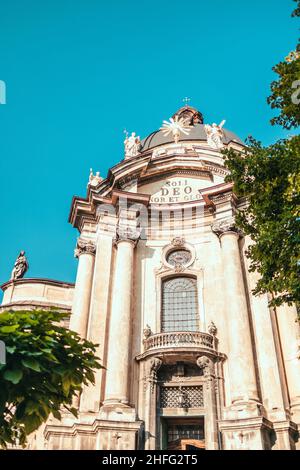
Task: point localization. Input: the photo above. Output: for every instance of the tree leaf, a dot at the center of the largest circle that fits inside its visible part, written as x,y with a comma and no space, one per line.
13,376
31,364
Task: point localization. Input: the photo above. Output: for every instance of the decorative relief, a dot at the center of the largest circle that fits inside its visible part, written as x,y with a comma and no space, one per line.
155,364
178,242
225,225
21,266
84,247
206,364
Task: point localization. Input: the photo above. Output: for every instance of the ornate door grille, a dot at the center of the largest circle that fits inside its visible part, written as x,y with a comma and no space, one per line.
193,396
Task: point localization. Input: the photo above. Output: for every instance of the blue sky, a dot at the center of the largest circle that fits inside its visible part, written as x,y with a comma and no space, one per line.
78,72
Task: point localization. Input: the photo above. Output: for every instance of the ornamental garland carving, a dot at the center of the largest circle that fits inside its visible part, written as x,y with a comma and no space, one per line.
84,247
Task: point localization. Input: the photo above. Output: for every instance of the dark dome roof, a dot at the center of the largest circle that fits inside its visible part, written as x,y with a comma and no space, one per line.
197,131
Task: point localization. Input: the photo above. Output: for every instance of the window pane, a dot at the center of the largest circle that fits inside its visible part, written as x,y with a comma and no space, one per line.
180,305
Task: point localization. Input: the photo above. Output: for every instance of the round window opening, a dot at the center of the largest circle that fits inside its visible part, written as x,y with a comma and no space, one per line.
179,257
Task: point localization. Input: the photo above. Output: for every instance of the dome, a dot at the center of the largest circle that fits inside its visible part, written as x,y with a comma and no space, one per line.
197,132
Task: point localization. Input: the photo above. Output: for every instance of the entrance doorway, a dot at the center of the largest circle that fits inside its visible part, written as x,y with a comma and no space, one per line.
183,433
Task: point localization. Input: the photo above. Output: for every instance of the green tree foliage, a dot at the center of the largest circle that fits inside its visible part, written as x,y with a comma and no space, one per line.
286,89
269,179
46,366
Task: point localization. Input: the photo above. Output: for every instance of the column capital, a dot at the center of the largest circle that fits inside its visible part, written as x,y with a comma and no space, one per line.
84,247
228,225
126,233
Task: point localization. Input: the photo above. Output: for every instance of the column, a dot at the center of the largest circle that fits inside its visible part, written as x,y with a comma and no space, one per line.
272,388
289,338
118,361
240,357
85,251
93,395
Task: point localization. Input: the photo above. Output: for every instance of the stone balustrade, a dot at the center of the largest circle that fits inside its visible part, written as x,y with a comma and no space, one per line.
181,339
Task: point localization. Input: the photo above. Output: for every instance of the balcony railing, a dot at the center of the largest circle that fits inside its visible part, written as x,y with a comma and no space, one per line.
184,339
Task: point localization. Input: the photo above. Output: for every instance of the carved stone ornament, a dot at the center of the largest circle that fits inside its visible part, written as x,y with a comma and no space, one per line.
212,329
147,332
179,268
206,364
178,241
21,266
155,364
219,227
127,232
84,247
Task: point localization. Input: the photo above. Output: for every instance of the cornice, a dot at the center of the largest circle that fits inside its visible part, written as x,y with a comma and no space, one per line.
35,280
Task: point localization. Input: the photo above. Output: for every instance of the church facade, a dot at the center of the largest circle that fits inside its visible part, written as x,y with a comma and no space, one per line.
192,359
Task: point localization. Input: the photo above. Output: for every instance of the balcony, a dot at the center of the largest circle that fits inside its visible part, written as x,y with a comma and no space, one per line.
187,340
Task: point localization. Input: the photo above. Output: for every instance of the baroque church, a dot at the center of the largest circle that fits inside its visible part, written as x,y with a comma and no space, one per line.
192,359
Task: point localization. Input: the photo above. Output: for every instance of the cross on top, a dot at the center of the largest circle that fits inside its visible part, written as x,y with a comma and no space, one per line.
186,100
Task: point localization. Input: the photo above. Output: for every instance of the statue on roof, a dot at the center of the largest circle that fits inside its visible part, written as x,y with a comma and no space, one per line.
215,134
21,266
132,145
94,180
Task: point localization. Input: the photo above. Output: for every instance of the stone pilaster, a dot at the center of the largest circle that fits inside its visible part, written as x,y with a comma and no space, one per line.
211,429
85,251
151,368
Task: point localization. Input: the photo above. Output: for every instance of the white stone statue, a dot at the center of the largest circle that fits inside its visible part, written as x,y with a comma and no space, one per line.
214,134
132,145
94,179
20,267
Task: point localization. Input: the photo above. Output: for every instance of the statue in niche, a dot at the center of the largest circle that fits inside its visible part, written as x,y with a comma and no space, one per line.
20,267
215,134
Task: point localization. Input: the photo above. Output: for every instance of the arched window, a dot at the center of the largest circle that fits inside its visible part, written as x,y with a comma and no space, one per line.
180,304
